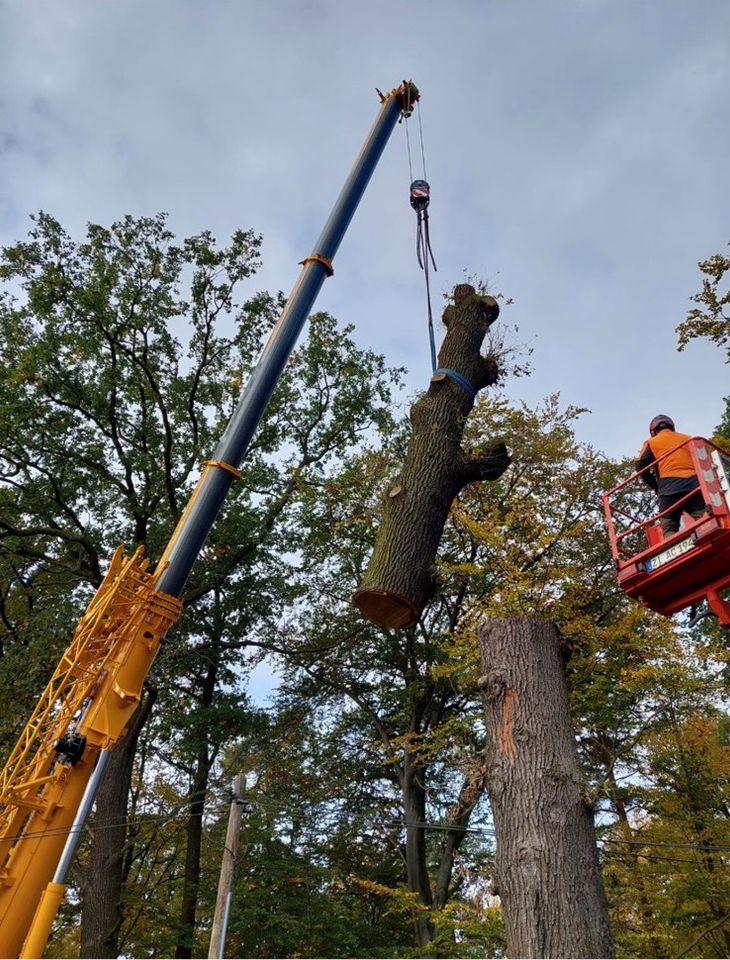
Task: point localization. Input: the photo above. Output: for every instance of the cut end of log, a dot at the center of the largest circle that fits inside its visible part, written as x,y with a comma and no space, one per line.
386,609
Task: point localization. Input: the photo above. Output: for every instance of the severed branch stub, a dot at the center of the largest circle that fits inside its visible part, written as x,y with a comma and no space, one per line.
400,578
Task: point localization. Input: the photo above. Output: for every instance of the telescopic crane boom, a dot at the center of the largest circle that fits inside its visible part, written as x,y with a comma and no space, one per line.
48,785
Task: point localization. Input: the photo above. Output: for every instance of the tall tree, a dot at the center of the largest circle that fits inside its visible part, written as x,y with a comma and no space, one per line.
530,541
106,415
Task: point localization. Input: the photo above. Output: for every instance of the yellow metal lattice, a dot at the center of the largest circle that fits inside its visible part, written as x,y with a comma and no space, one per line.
93,691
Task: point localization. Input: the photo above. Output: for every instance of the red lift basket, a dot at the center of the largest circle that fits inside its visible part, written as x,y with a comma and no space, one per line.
670,573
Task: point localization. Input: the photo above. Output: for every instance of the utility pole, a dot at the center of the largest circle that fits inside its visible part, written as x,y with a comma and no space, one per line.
225,883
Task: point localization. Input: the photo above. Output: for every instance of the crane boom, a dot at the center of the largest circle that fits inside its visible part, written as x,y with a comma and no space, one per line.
49,781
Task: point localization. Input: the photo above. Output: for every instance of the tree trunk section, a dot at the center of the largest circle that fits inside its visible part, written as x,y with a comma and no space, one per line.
469,795
547,870
414,808
101,911
189,905
198,793
400,580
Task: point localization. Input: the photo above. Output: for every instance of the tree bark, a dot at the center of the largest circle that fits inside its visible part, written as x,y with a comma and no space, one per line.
459,815
400,578
547,870
197,796
101,913
414,809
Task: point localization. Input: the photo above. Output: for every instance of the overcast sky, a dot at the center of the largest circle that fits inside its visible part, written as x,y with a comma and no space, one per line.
577,154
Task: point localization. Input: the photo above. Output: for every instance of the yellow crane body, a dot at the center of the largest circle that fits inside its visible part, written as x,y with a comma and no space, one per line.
93,693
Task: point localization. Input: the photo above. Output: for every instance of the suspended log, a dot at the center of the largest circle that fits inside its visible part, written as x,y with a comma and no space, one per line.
400,578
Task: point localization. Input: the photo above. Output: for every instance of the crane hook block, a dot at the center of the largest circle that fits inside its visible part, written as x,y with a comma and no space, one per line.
420,195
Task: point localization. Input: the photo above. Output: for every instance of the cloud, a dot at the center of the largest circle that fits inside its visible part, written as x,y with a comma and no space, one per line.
577,153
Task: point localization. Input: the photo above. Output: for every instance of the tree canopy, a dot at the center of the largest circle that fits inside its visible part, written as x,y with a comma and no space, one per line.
367,830
711,318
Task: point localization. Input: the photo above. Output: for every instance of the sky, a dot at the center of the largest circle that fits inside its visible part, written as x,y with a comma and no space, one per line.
577,154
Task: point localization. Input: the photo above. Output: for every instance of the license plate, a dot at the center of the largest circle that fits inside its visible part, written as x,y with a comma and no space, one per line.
676,550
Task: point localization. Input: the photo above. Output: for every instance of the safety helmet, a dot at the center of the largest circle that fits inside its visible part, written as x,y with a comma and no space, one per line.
662,420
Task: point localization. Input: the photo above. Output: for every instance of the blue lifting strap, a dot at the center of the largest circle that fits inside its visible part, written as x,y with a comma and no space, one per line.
461,380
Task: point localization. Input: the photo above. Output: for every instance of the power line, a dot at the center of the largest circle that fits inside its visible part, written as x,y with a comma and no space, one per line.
110,824
655,857
141,816
657,843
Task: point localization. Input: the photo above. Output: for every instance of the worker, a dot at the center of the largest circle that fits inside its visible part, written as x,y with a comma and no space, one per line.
672,477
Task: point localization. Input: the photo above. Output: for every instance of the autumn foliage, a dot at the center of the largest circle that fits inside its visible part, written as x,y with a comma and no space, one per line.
368,830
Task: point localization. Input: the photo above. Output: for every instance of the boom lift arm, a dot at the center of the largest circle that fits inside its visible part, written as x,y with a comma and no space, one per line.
48,785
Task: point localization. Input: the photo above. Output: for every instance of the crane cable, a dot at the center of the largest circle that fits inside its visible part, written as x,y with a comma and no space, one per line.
420,196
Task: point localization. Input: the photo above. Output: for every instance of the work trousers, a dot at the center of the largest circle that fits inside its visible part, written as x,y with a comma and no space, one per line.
695,507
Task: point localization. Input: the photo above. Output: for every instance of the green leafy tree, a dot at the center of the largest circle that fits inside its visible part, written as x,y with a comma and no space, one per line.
368,832
410,708
711,319
117,378
668,876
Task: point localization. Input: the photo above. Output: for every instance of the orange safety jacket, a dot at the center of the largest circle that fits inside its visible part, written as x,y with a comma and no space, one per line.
676,472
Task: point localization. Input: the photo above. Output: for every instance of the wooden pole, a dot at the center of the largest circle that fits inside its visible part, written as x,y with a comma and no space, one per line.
228,863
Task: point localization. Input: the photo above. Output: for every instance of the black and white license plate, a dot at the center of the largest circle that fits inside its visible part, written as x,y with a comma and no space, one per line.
676,550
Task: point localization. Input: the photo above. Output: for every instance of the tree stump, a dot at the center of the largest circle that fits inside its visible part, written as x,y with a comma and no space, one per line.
546,872
400,578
